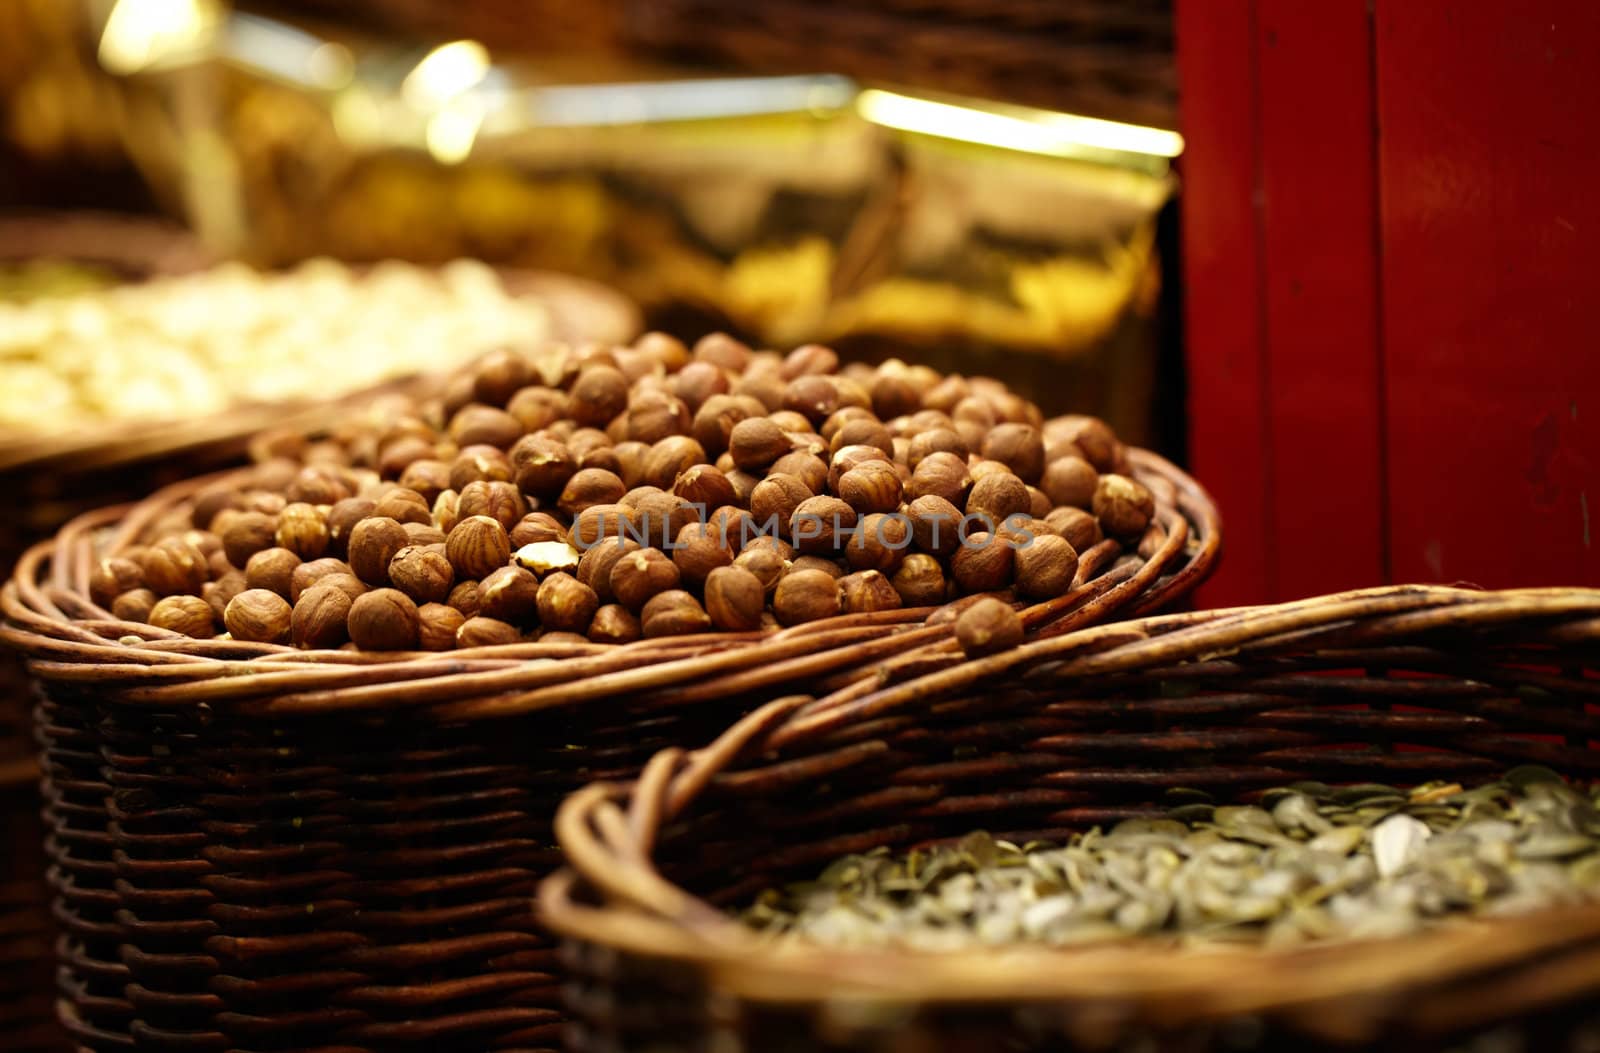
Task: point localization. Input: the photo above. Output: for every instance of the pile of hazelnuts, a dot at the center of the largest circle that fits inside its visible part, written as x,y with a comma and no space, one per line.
608,494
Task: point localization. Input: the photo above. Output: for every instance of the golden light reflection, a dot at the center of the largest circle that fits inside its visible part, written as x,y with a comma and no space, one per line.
139,34
444,73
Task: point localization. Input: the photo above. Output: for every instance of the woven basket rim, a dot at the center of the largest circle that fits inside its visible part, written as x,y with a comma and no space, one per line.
578,307
65,636
608,832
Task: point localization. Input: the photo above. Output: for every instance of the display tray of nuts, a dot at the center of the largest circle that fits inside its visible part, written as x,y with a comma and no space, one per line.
597,496
129,369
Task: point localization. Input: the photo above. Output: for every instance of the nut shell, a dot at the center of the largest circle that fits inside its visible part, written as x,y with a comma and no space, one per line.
383,620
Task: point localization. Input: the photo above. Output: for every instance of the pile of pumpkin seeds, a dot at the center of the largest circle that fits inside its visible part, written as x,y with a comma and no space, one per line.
1307,862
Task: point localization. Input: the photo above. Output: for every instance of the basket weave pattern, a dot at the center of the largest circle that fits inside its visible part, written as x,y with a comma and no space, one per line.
1401,684
259,848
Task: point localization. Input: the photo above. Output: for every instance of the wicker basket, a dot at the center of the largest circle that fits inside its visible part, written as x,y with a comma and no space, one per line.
257,848
1401,684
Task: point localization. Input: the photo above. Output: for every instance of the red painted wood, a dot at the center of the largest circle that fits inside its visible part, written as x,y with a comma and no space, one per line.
1491,297
1222,294
1323,376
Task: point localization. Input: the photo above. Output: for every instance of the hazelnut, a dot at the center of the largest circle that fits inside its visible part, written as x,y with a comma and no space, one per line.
806,596
112,577
398,454
542,465
666,349
704,486
988,626
868,590
422,573
258,616
766,388
315,572
804,466
486,632
498,376
216,563
404,506
437,625
537,407
424,534
478,425
1124,506
641,575
698,382
756,442
1039,504
499,501
547,557
980,467
863,431
827,566
430,478
221,592
936,524
670,458
713,424
774,500
723,351
880,542
995,498
1046,567
1019,447
809,359
479,464
821,524
983,563
585,441
319,618
342,519
316,485
535,527
134,605
598,522
1080,528
942,475
599,394
920,581
189,615
733,526
653,415
248,533
590,487
373,544
272,569
476,548
735,599
847,459
975,410
673,613
464,598
383,620
765,563
935,440
1070,481
509,594
893,395
174,566
743,484
614,624
871,487
209,502
1091,435
657,518
595,565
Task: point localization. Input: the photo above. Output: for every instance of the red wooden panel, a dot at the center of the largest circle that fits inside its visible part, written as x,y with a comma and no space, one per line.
1490,288
1222,294
1323,370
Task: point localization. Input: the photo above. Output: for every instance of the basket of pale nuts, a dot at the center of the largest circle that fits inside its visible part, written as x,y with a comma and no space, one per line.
304,726
1360,821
